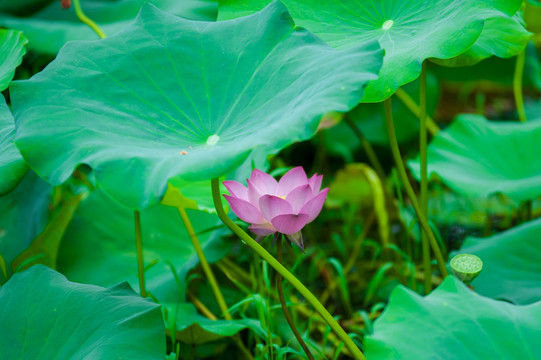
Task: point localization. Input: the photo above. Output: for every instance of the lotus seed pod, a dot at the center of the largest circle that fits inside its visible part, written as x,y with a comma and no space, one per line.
466,267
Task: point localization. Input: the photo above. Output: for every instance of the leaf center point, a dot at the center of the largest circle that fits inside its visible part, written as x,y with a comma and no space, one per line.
387,24
213,139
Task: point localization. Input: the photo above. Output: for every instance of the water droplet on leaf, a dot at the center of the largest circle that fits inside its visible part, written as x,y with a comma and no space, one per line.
213,139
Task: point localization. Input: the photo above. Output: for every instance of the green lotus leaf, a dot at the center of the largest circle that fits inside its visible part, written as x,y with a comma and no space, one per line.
453,322
12,164
409,32
511,270
502,36
12,50
51,27
99,246
25,213
475,156
192,328
192,106
44,316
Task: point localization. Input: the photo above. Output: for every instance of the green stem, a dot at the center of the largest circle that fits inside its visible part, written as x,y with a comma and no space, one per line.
424,177
416,110
85,19
284,306
204,263
139,245
409,190
517,85
372,157
356,353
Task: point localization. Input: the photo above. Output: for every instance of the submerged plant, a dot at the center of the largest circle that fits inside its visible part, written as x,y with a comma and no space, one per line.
284,206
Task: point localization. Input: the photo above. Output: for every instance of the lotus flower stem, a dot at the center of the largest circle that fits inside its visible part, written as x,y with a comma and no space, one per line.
139,247
411,194
284,305
517,85
424,176
85,19
204,263
356,353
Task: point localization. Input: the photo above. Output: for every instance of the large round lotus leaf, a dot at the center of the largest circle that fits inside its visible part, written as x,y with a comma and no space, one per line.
12,51
454,322
146,105
410,31
480,157
99,246
51,27
44,316
511,266
192,328
12,165
502,36
25,212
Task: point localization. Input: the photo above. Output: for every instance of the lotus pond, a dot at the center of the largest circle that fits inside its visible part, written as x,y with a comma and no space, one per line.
265,179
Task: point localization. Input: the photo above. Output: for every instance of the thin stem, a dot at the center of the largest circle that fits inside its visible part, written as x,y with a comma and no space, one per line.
284,305
424,177
85,19
415,109
409,189
201,307
372,157
517,85
204,263
139,246
356,353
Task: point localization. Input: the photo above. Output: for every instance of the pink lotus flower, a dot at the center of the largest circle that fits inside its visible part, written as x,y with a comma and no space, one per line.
278,207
